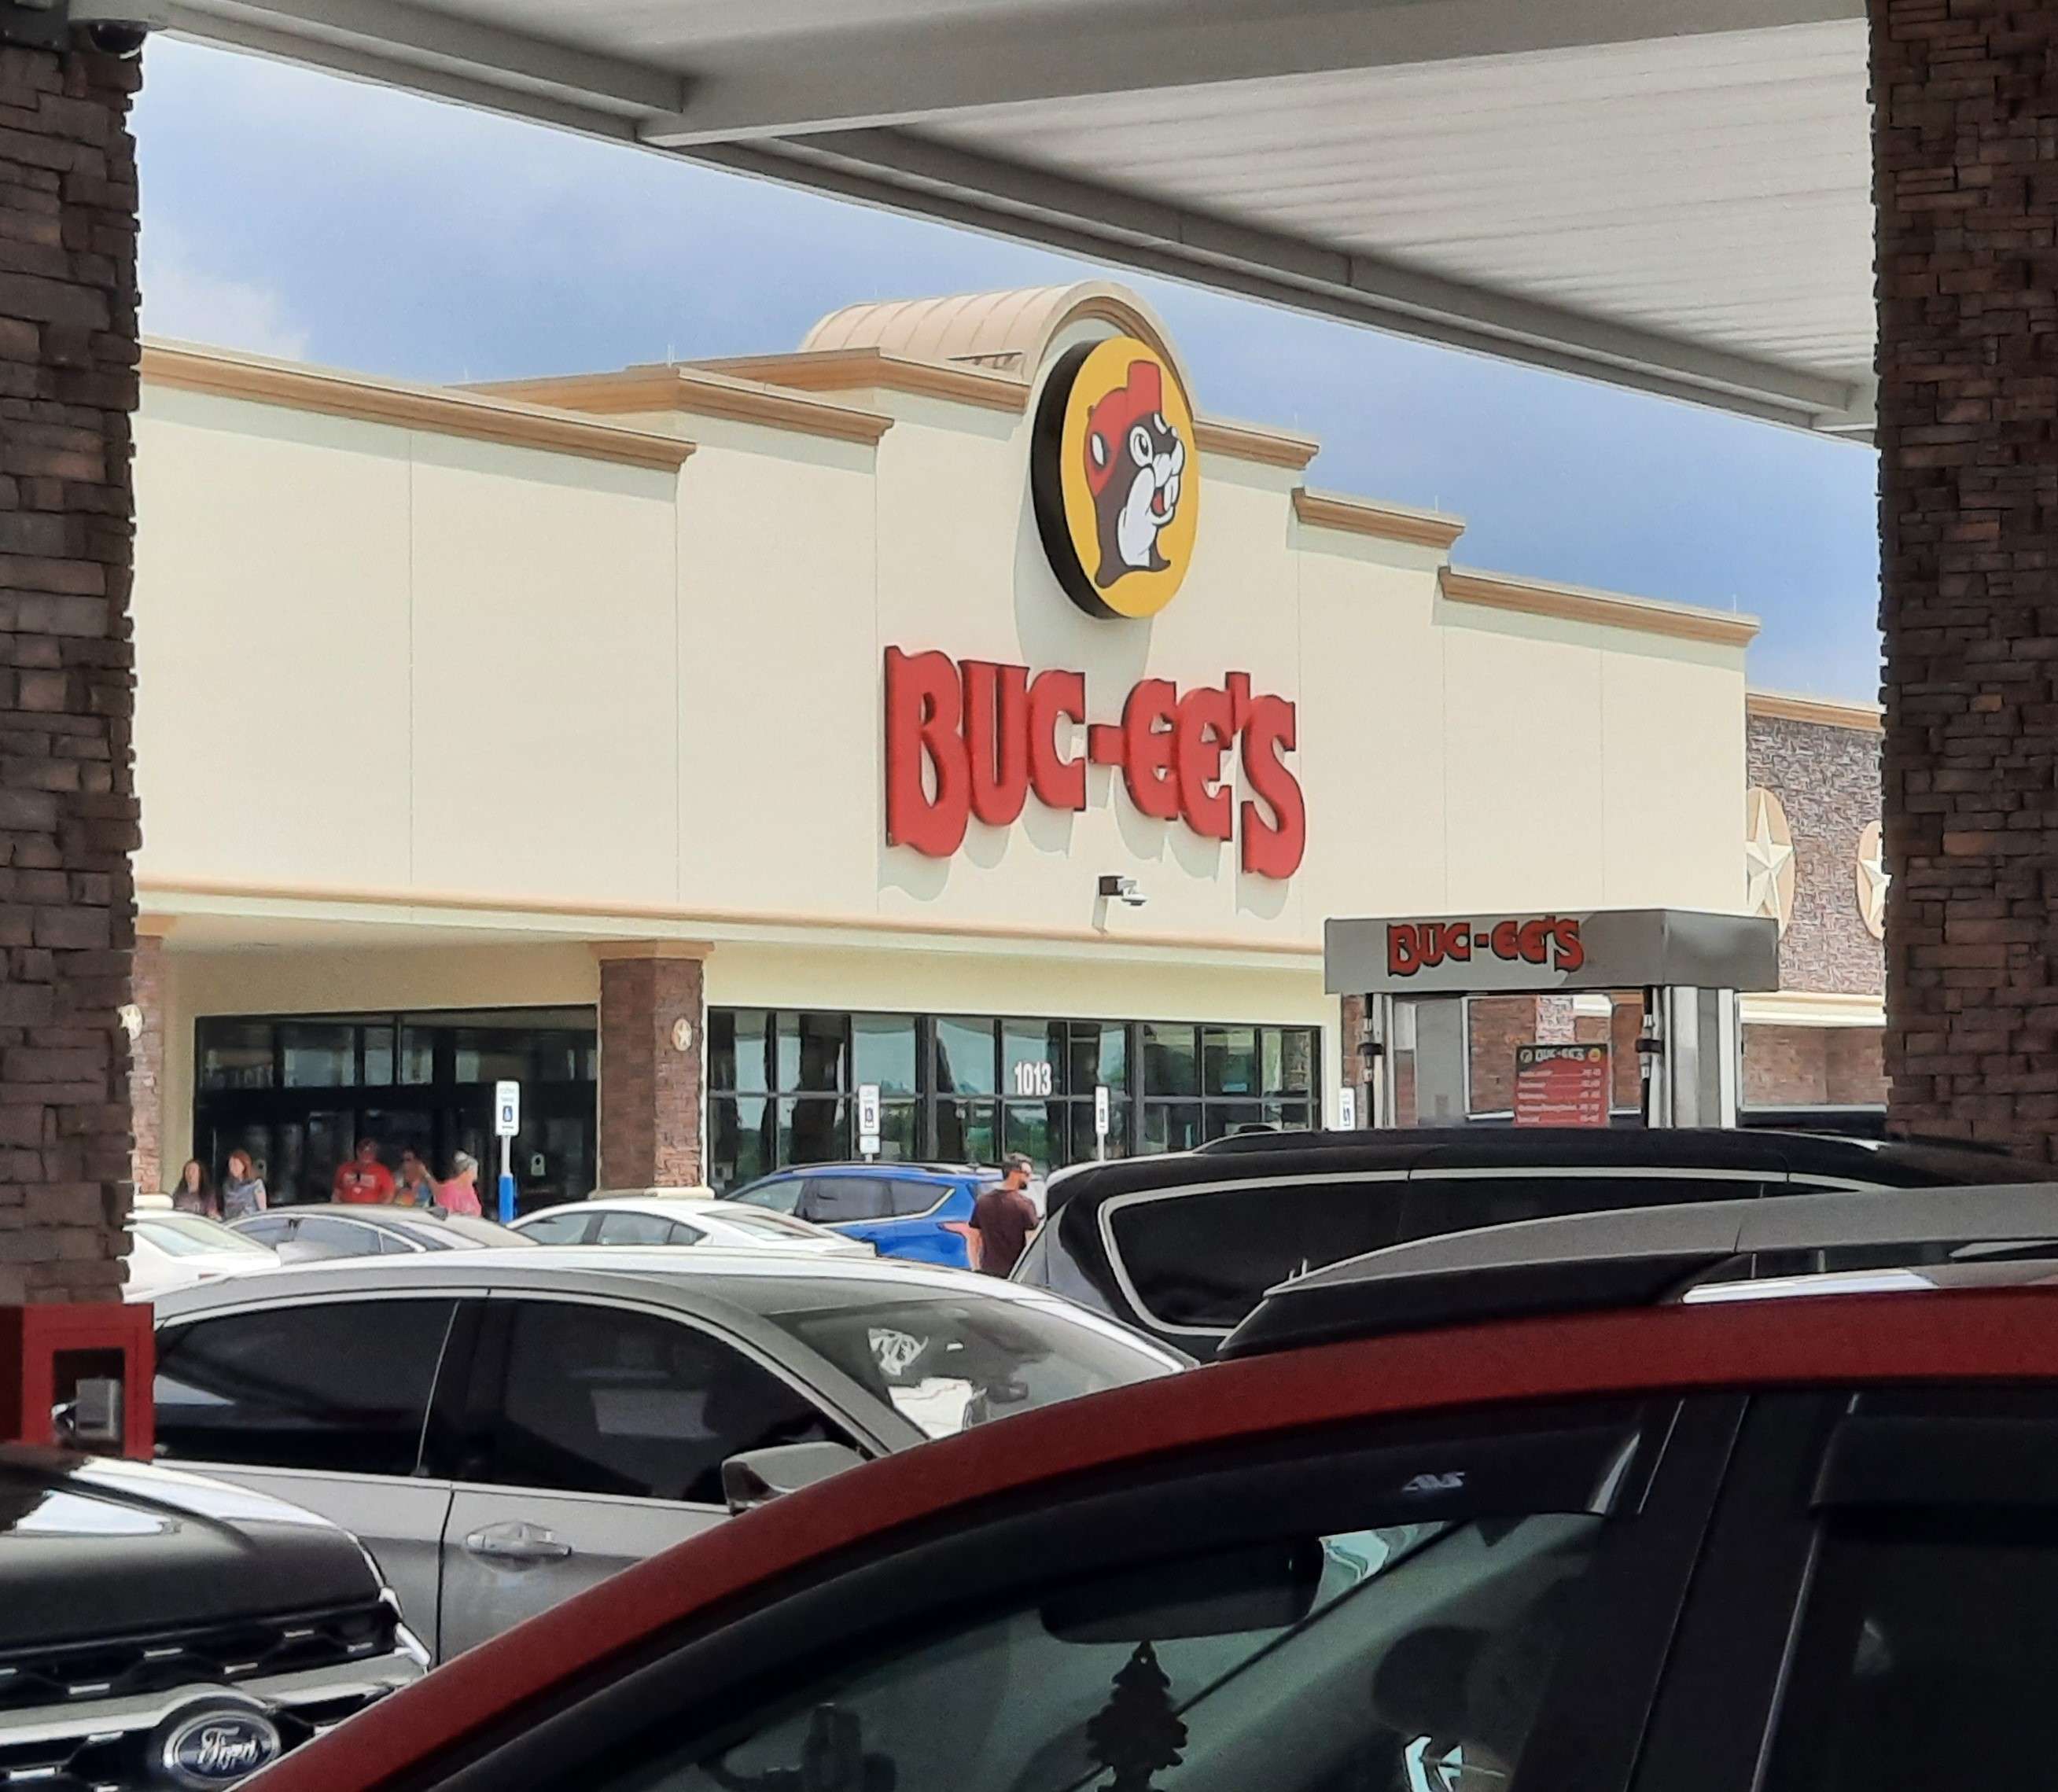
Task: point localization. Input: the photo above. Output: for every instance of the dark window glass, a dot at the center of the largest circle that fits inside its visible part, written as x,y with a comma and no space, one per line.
597,1400
317,1056
1171,1125
633,1229
1440,1204
1229,1060
1171,1065
897,1123
1421,1657
319,1235
1289,1055
1025,1126
1206,1259
681,1233
910,1198
393,1244
742,1128
829,1200
379,1057
814,1129
812,1056
1219,1119
488,1054
1032,1058
883,1051
418,1055
1927,1647
781,1196
236,1054
559,1229
965,1058
740,1050
1084,1144
1099,1054
341,1385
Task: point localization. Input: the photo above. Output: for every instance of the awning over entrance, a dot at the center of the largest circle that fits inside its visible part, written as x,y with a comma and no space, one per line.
1671,195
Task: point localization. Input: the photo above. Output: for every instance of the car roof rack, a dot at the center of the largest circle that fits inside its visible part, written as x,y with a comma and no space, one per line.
1627,1257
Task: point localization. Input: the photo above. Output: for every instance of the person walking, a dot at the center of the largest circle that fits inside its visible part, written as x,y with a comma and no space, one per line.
363,1181
1004,1216
195,1191
460,1194
243,1192
414,1186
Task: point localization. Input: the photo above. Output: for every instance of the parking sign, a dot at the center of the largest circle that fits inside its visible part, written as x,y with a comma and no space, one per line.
506,1110
868,1119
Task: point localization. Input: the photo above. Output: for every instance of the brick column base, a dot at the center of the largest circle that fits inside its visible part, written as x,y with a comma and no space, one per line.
650,1070
68,387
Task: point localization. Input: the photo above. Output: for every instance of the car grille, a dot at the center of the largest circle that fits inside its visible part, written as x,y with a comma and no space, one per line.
119,1760
48,1679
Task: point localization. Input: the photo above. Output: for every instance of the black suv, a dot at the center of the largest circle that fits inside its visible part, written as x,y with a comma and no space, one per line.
1183,1246
168,1634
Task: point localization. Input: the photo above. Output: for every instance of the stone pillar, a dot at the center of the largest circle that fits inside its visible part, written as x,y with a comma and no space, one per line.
653,1043
68,823
1350,1072
1965,184
146,1018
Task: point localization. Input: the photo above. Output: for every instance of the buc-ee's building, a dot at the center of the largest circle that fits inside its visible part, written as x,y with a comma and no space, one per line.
953,705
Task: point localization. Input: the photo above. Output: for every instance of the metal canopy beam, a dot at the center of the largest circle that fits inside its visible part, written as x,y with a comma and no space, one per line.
900,76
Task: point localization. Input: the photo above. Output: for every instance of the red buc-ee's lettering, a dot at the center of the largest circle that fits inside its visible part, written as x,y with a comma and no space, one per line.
976,741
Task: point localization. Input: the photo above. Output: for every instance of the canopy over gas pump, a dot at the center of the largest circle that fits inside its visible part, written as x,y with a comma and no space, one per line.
1691,966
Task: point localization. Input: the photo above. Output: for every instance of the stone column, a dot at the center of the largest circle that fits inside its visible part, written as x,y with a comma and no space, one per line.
68,823
653,1043
146,1019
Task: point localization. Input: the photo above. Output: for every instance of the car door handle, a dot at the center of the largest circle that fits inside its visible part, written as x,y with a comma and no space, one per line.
518,1540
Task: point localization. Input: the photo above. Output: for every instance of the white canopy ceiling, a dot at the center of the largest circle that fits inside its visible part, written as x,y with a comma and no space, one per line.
1670,194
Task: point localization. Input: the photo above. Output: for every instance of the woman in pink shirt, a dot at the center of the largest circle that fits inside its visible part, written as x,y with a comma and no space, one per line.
460,1194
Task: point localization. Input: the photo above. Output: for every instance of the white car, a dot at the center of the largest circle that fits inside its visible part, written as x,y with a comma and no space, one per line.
684,1216
168,1250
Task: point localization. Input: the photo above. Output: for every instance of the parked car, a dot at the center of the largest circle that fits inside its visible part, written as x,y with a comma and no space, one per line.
504,1428
1184,1246
169,1249
1783,1543
319,1231
683,1217
921,1211
162,1630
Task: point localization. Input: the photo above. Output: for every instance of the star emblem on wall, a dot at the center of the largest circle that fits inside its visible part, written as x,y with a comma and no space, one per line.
1872,878
1768,857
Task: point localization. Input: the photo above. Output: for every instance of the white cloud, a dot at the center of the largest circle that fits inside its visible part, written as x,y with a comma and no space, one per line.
183,300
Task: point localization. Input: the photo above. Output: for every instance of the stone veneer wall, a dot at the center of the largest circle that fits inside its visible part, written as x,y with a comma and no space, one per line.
68,822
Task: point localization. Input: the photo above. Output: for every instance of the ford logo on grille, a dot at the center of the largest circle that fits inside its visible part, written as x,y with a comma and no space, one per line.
209,1749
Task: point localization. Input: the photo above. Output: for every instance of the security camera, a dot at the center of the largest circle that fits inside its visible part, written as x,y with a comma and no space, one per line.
118,27
1122,890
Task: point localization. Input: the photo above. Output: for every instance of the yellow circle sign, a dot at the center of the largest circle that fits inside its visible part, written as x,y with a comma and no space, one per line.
1115,478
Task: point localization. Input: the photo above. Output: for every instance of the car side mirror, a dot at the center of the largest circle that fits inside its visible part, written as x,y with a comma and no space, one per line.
756,1477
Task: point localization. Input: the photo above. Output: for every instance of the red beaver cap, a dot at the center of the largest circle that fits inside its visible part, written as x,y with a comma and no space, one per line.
1142,396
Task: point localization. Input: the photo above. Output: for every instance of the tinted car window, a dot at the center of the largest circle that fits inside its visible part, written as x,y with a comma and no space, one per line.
909,1198
559,1229
595,1400
831,1198
1204,1259
781,1197
267,1229
341,1385
1435,1205
633,1229
318,1235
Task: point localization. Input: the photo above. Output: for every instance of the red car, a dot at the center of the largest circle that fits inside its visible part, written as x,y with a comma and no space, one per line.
1757,1545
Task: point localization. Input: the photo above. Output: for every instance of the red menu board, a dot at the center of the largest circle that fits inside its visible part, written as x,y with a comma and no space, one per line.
1561,1085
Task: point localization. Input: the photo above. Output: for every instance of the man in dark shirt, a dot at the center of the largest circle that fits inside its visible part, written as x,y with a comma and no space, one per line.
1004,1216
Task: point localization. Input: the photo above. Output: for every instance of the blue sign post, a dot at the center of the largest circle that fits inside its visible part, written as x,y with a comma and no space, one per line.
507,1122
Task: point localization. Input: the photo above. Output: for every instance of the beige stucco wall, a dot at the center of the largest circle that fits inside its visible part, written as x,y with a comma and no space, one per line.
382,659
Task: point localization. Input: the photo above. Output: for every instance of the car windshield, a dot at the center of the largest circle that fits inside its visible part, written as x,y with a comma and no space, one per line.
192,1235
776,1198
772,1225
946,1365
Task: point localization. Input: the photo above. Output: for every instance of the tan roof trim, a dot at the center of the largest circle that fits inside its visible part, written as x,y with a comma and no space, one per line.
1269,448
437,409
1574,603
607,952
1822,711
234,889
697,391
846,370
1393,522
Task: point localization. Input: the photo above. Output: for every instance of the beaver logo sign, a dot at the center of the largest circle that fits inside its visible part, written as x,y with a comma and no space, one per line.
1115,478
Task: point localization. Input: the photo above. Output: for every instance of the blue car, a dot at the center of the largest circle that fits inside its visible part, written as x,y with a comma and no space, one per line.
918,1210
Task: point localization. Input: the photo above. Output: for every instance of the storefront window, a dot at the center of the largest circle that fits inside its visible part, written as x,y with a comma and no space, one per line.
810,1052
883,1051
236,1054
379,1057
967,1132
1171,1066
1229,1061
965,1058
318,1055
739,1049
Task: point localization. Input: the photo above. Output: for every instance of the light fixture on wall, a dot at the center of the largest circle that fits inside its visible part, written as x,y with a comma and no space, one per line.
1122,890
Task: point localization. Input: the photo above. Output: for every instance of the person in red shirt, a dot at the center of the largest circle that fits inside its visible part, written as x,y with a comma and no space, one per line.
364,1180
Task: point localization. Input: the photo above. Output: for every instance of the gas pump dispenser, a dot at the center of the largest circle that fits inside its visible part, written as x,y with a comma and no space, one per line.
1690,967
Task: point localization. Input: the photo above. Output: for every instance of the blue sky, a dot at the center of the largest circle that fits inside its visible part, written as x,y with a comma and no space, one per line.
391,234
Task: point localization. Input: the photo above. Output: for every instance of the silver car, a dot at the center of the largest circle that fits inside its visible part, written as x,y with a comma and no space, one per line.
504,1428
